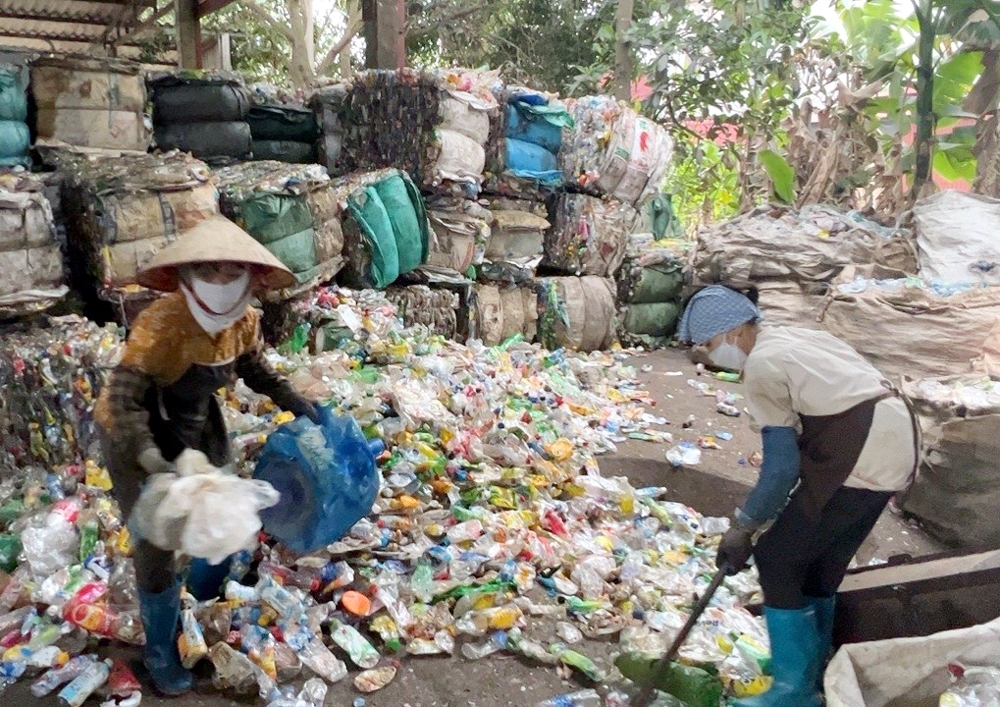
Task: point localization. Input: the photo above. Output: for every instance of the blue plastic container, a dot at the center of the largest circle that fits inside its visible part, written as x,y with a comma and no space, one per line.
326,476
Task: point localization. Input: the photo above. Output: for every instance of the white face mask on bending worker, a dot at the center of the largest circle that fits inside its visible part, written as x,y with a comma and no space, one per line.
217,295
728,355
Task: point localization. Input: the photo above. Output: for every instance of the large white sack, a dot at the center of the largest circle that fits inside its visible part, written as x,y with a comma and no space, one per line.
958,237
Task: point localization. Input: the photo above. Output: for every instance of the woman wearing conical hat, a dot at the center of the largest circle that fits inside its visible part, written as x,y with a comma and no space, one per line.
161,400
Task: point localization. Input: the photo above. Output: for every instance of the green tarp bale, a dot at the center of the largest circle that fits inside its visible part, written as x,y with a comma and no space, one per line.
662,282
371,214
657,319
269,217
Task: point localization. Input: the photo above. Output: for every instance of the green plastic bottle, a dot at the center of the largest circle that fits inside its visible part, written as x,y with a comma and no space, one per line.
692,685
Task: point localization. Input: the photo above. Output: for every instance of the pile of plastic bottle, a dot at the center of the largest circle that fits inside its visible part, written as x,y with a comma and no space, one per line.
492,511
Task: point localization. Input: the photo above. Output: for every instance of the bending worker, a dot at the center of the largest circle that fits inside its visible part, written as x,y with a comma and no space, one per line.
838,441
161,400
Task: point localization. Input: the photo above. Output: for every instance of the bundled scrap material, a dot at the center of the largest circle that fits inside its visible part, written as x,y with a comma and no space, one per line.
434,126
283,133
460,230
121,210
30,255
436,309
517,237
205,115
524,162
956,493
500,313
612,151
589,236
90,103
386,233
51,375
943,326
792,256
650,289
956,238
292,210
577,313
15,138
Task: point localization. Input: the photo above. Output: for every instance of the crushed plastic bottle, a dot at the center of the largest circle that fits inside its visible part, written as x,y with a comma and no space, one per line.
684,454
85,684
497,641
581,698
361,652
374,679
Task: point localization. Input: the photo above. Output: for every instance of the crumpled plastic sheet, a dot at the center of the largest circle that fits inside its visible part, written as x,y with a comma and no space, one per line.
491,491
589,236
406,119
120,210
51,377
30,253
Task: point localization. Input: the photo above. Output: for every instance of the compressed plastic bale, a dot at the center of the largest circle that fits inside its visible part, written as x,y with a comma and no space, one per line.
182,100
538,132
577,313
15,139
210,141
94,128
269,217
651,319
501,313
589,236
120,210
462,114
530,160
436,309
874,309
409,221
462,158
327,104
516,236
13,100
283,151
461,229
640,283
282,124
81,83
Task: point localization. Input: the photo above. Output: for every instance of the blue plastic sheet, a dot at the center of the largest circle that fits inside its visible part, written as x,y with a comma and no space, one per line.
531,161
326,476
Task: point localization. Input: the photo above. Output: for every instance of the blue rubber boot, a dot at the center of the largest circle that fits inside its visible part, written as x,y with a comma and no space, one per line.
825,608
795,660
159,619
204,581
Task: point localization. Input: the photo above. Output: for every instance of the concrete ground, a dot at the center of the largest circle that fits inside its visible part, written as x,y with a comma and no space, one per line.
716,486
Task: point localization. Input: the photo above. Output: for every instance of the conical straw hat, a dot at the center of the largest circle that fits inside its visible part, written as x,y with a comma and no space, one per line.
214,240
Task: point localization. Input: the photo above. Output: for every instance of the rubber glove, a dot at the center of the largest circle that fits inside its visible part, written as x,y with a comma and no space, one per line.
735,549
152,461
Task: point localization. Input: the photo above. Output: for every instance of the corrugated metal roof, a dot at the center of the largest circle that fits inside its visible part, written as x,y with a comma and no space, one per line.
75,21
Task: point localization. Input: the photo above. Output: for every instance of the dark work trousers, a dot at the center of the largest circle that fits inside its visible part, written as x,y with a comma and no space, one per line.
804,555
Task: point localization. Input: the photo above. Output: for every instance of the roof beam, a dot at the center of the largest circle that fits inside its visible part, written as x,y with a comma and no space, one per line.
54,16
60,36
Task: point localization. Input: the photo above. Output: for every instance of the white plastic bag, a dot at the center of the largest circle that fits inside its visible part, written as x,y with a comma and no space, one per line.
205,513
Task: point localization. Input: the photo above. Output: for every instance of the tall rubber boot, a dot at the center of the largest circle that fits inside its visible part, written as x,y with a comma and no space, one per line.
159,619
795,660
825,608
204,581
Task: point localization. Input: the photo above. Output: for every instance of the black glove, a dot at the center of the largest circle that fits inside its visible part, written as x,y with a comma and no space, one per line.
298,406
735,549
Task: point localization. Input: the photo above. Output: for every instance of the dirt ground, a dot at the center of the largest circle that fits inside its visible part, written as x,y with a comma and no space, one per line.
716,486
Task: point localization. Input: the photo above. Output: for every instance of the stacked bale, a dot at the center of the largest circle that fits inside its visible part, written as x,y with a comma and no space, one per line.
460,230
90,103
121,210
589,236
502,312
283,133
204,115
15,138
292,210
576,313
612,151
386,233
650,288
434,126
792,256
30,256
436,309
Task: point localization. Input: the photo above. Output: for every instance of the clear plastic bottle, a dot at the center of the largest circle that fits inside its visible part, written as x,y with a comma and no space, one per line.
582,698
318,658
361,652
55,677
313,693
233,670
497,641
85,684
191,641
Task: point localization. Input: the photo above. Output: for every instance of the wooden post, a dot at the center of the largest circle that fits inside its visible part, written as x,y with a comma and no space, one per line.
622,77
384,28
188,34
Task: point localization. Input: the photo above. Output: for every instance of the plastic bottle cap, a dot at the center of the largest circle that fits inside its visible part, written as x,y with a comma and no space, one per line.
356,603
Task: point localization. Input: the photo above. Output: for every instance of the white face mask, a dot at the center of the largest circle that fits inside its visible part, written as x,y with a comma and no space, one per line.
217,307
729,356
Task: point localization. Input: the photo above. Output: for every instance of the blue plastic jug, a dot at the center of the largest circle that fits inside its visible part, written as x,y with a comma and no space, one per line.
326,476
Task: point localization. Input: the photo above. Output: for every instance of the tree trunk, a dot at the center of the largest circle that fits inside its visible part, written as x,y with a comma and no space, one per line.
926,121
303,60
622,79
